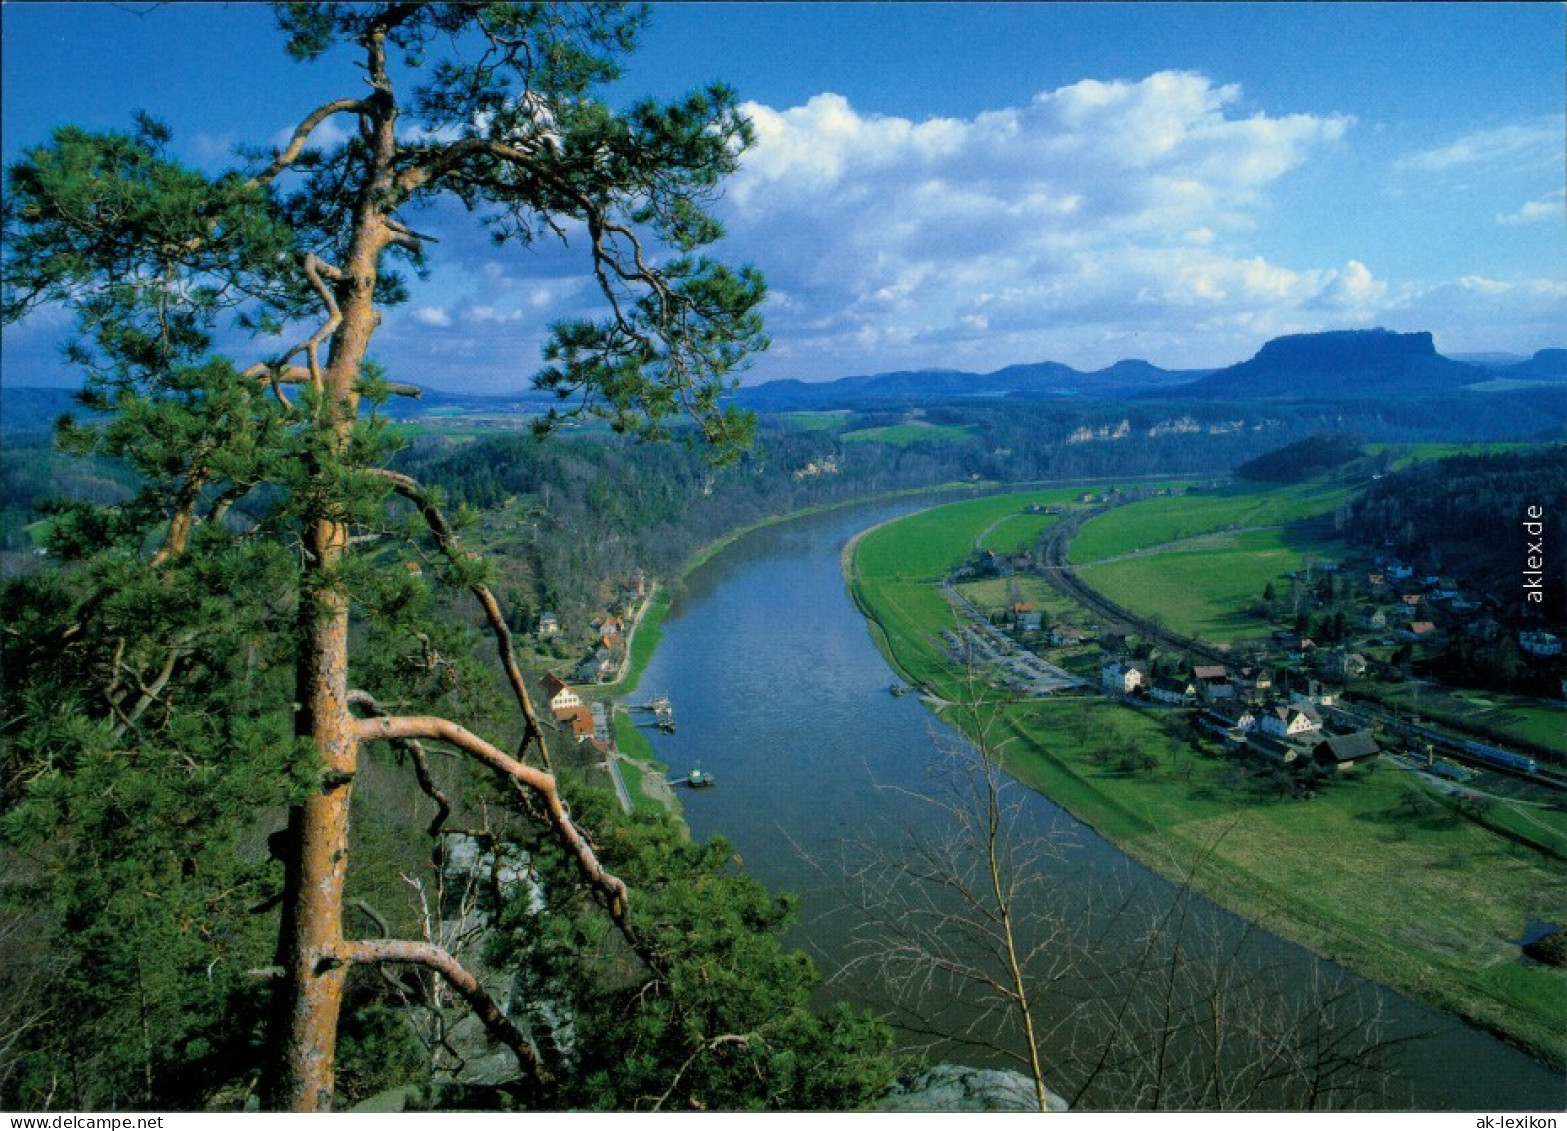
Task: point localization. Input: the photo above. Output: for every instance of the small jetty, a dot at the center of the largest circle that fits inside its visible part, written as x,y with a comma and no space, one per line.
899,690
661,709
696,779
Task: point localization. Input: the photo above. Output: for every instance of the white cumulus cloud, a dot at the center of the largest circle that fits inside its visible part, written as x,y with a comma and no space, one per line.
1093,201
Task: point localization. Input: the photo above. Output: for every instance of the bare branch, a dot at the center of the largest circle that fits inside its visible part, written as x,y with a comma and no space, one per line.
415,752
302,134
742,1039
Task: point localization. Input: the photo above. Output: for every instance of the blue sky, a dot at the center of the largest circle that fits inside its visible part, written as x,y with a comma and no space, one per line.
972,185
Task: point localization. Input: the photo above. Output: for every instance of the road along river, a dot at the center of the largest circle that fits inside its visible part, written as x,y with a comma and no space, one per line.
782,697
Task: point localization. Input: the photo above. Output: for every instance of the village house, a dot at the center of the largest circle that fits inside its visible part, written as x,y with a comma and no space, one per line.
1344,751
1421,629
1289,720
1344,665
1025,618
1315,695
1255,680
1373,618
1271,748
1218,693
1232,715
1211,673
549,625
1176,692
1066,637
560,695
579,719
1121,679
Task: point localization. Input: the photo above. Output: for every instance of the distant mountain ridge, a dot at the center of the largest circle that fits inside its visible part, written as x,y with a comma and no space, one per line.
1335,365
1039,379
1550,363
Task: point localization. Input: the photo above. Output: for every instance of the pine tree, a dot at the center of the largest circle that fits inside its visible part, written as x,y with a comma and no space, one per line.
267,496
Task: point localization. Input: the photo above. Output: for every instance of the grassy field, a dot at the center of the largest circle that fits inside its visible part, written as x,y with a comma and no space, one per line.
1204,590
815,421
1406,454
907,435
1153,522
1411,889
1514,715
925,546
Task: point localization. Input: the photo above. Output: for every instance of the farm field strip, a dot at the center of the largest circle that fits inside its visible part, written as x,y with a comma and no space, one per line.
1156,522
1204,592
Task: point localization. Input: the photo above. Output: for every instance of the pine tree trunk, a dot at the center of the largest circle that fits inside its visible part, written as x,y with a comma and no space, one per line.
310,942
312,951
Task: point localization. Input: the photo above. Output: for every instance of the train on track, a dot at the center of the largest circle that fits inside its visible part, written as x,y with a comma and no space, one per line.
1501,759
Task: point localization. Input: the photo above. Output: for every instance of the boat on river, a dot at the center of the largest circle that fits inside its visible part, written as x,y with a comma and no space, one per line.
696,779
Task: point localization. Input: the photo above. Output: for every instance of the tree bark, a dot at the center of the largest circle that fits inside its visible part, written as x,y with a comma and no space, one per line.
311,946
310,943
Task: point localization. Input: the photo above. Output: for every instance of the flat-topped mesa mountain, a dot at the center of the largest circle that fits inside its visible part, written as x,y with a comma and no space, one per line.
1339,365
1550,363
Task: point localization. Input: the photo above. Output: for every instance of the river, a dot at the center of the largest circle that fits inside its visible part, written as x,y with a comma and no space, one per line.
781,696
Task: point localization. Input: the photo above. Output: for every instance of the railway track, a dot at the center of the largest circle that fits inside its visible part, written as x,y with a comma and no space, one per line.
1059,572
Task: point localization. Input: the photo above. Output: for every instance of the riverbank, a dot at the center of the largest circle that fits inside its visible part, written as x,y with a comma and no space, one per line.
647,775
1429,903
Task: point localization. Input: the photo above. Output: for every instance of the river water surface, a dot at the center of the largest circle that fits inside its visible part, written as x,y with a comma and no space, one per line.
780,695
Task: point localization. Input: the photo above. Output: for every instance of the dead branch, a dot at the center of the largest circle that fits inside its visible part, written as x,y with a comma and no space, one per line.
296,143
742,1039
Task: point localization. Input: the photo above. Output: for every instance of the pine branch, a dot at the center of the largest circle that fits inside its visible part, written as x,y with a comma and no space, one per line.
415,752
446,538
609,887
375,952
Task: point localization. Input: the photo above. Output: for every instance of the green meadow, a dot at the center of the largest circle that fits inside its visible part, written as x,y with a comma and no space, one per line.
1203,589
910,434
1154,522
